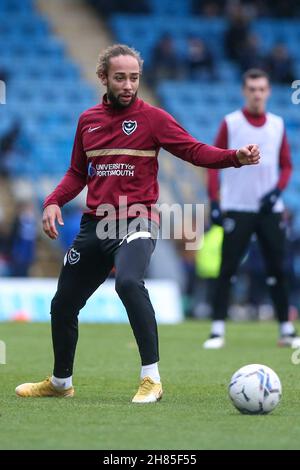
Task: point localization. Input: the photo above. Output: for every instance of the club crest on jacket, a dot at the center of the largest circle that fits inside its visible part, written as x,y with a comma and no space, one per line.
129,127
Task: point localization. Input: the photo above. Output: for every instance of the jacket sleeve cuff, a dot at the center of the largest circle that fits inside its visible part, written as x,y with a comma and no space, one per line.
49,201
234,159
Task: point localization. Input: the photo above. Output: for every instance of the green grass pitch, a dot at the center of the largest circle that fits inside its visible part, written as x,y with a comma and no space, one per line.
195,412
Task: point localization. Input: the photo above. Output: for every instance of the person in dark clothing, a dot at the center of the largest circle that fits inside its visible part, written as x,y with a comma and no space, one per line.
23,241
279,65
249,202
115,154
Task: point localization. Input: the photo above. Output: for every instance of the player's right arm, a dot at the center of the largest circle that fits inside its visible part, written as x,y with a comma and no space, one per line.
51,214
69,187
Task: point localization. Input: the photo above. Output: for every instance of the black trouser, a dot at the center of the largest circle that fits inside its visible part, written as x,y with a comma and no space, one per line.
270,232
86,266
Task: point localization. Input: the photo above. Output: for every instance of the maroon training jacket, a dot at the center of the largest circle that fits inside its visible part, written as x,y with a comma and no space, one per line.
115,154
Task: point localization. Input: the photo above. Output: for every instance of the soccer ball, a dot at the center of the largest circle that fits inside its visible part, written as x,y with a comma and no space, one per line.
255,389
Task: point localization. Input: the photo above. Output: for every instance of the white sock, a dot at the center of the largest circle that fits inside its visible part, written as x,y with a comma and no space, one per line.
218,327
62,383
151,370
286,328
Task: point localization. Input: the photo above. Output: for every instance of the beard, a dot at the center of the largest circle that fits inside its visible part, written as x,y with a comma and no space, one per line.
115,100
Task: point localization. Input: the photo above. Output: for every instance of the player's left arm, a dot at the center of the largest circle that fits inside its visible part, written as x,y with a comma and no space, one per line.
213,178
175,139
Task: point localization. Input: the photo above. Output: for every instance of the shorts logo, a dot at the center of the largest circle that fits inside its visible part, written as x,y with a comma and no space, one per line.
129,127
73,256
228,225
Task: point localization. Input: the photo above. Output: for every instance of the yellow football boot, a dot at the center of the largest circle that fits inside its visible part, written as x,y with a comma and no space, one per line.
148,392
43,389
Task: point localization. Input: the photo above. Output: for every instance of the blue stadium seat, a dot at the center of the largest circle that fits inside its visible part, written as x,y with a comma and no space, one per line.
46,92
170,7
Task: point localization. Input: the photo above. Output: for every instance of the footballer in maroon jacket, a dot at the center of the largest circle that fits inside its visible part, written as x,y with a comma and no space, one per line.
115,154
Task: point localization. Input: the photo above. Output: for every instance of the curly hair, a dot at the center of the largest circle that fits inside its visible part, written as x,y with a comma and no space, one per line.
115,51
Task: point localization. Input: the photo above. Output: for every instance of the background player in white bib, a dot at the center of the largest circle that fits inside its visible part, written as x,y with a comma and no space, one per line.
248,201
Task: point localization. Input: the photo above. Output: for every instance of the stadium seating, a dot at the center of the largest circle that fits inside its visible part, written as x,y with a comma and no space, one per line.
44,91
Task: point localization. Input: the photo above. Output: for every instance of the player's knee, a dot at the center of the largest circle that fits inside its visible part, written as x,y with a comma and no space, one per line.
58,307
55,304
64,305
126,285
